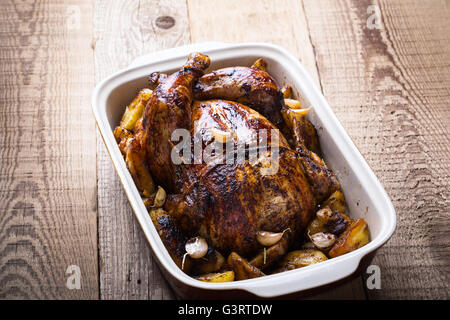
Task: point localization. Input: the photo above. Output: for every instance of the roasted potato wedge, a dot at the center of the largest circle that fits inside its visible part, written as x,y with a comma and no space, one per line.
338,223
271,255
336,202
123,136
121,133
213,261
294,104
226,276
134,110
286,90
301,258
356,236
330,221
135,160
260,64
242,268
315,226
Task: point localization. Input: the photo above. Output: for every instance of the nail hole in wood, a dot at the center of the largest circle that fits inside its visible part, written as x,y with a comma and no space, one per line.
165,22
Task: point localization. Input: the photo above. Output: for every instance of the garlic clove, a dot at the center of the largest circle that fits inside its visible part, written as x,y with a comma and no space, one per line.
300,112
324,214
219,135
267,238
323,240
160,198
293,104
196,247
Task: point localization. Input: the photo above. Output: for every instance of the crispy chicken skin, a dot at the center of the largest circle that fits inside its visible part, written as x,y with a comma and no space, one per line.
172,238
232,117
169,108
322,180
251,86
228,203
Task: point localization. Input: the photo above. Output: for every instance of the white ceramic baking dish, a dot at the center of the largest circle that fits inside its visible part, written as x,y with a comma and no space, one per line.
365,196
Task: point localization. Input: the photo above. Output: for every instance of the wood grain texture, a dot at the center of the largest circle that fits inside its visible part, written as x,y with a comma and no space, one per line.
125,30
279,22
390,88
47,150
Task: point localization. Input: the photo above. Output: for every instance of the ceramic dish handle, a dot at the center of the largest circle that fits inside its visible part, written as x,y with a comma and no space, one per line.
201,46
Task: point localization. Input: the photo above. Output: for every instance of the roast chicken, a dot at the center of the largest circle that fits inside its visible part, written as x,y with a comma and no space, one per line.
225,201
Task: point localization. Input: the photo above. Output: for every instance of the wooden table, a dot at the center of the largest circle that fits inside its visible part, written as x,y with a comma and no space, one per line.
386,76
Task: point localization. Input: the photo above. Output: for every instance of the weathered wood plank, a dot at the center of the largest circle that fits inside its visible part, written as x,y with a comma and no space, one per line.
47,150
279,22
123,31
282,23
390,88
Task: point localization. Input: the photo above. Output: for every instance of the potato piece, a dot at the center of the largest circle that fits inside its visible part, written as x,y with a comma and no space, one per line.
242,269
301,258
135,160
294,104
123,136
121,133
227,276
260,64
172,238
356,236
336,202
329,221
272,254
315,226
286,90
134,110
338,223
211,262
334,222
308,245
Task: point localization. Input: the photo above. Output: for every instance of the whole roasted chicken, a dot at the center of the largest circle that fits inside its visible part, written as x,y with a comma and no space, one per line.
240,194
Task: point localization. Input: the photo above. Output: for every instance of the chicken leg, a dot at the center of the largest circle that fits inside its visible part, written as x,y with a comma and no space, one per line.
169,108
